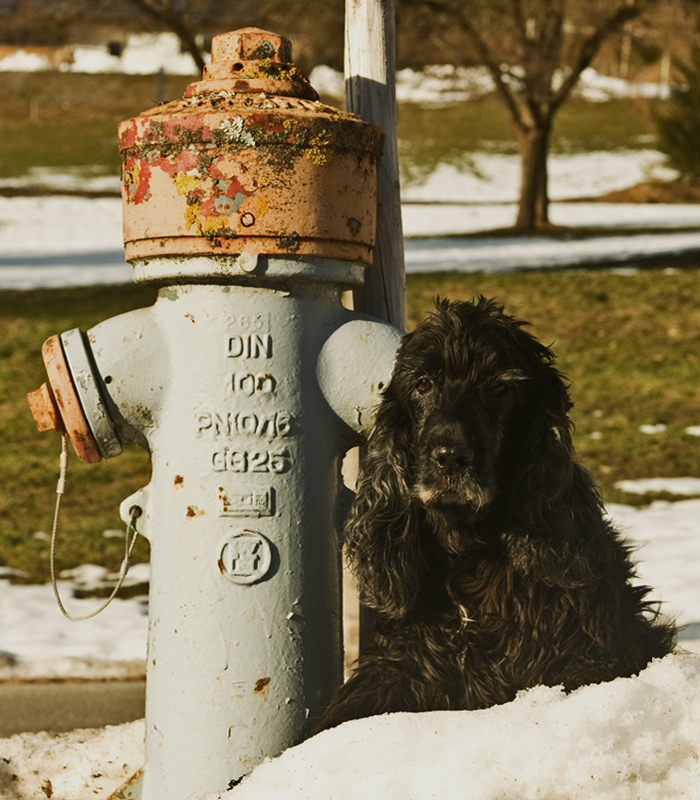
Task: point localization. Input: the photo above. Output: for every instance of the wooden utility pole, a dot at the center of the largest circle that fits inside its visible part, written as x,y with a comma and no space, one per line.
370,92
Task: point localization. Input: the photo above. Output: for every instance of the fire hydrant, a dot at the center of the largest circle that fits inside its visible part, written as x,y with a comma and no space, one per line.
251,205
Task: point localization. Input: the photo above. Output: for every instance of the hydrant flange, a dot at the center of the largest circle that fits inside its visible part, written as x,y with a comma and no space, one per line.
58,406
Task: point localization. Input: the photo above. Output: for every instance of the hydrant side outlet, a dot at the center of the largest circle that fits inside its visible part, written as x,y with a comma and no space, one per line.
72,416
353,368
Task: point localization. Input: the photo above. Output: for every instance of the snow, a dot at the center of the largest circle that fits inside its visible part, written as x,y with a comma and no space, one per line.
80,765
143,54
494,177
444,83
630,739
672,485
652,430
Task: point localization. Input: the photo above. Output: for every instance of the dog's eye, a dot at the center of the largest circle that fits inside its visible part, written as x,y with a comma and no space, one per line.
424,386
499,390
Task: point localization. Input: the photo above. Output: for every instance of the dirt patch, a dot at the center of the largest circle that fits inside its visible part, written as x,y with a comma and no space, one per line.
651,192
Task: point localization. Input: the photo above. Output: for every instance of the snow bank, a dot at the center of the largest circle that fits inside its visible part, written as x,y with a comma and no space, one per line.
147,53
495,177
36,641
630,739
23,61
143,54
79,765
665,537
444,84
672,485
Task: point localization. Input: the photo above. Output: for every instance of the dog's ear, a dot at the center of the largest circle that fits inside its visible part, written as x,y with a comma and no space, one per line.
382,533
541,447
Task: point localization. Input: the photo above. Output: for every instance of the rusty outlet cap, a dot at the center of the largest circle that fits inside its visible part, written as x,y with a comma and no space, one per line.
251,60
57,406
45,409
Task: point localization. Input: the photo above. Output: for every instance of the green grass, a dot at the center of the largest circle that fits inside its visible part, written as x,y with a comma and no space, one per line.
629,344
55,119
29,460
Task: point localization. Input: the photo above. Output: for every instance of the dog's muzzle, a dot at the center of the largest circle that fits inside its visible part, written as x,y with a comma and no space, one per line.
452,459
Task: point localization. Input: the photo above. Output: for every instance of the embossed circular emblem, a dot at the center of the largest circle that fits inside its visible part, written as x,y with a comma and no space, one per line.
245,557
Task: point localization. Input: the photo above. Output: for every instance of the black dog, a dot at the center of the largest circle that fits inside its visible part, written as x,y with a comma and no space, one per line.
480,542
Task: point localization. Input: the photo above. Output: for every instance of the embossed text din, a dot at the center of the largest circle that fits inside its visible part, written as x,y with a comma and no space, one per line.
249,345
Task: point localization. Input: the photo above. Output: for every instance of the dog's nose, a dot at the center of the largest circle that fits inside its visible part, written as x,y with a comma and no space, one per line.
451,459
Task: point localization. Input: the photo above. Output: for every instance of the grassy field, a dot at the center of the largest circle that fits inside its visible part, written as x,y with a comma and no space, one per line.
55,119
628,343
70,120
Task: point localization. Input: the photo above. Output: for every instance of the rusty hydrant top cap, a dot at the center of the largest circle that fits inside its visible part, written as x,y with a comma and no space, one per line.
248,162
252,60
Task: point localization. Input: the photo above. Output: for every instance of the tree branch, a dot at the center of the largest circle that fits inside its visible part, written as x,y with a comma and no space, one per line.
591,45
164,12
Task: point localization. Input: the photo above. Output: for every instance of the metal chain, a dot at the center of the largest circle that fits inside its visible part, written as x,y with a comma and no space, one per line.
128,546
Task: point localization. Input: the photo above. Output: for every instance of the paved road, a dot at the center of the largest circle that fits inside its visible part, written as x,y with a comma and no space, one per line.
57,707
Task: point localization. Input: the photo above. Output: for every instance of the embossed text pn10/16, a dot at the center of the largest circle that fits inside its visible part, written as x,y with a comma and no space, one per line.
273,424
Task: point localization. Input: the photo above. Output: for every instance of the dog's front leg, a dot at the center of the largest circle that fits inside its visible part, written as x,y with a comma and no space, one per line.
383,683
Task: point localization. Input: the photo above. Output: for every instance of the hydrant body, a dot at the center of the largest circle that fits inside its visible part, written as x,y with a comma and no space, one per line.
247,381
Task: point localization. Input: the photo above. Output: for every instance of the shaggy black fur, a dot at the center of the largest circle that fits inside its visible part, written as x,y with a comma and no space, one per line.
478,539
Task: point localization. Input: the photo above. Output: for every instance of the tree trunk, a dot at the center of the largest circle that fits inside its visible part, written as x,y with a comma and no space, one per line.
533,204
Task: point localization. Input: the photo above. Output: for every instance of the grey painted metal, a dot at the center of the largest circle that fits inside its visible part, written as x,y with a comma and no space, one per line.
87,386
247,396
228,268
353,369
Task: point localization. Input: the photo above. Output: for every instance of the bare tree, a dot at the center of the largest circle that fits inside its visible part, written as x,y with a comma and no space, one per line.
535,52
178,17
186,18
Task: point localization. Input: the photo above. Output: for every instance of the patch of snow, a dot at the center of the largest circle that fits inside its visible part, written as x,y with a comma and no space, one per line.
81,240
143,54
327,81
36,641
495,178
594,87
665,538
500,254
22,61
85,179
443,84
652,430
672,485
451,219
79,765
629,739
